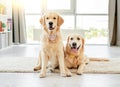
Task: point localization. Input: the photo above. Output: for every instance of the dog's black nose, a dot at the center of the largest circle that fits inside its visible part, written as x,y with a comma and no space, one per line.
74,44
50,23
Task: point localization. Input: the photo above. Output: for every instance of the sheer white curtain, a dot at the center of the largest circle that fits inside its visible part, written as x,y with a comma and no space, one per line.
18,16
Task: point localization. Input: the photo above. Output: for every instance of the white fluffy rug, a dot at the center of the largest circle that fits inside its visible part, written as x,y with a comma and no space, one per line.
23,64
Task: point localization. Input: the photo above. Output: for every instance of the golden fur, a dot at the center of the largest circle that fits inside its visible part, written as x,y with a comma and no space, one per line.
52,49
74,53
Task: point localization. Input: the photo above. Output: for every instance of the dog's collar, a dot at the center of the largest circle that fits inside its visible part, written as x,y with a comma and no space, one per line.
72,56
52,37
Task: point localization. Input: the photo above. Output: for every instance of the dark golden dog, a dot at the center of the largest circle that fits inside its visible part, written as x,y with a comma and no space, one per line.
74,53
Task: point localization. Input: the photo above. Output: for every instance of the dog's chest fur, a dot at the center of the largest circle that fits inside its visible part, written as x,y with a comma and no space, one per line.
51,48
74,61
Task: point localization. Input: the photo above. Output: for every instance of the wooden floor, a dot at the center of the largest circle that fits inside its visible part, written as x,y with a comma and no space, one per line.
55,80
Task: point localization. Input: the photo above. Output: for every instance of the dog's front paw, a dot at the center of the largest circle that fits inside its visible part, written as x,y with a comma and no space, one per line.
69,74
79,72
37,68
42,75
63,74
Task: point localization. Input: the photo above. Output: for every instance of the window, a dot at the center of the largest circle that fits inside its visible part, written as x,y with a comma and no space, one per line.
87,22
68,22
32,23
96,28
92,16
87,16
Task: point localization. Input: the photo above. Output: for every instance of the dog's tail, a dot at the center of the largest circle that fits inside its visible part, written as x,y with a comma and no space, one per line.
99,59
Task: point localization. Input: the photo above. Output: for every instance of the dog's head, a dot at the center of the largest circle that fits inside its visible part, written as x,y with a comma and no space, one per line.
51,21
75,43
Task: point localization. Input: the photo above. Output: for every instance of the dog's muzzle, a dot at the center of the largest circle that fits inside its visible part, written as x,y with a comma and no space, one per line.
51,26
74,47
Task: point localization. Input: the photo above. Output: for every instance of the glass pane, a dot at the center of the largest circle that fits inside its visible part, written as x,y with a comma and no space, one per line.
96,28
88,22
92,6
33,6
32,22
58,4
68,22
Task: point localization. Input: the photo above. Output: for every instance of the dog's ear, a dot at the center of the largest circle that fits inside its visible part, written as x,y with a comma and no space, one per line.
60,21
83,43
67,43
42,20
68,38
82,46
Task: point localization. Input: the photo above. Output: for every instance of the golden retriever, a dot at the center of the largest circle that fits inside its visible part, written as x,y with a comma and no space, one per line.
52,48
74,54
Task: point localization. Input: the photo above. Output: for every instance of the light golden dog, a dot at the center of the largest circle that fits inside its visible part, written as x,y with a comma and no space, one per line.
52,48
74,54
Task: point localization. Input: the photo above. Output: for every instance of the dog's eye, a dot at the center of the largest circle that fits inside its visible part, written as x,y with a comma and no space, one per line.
78,38
54,18
47,18
71,38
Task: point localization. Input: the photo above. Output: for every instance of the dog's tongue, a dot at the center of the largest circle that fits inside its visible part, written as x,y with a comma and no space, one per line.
52,37
74,50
